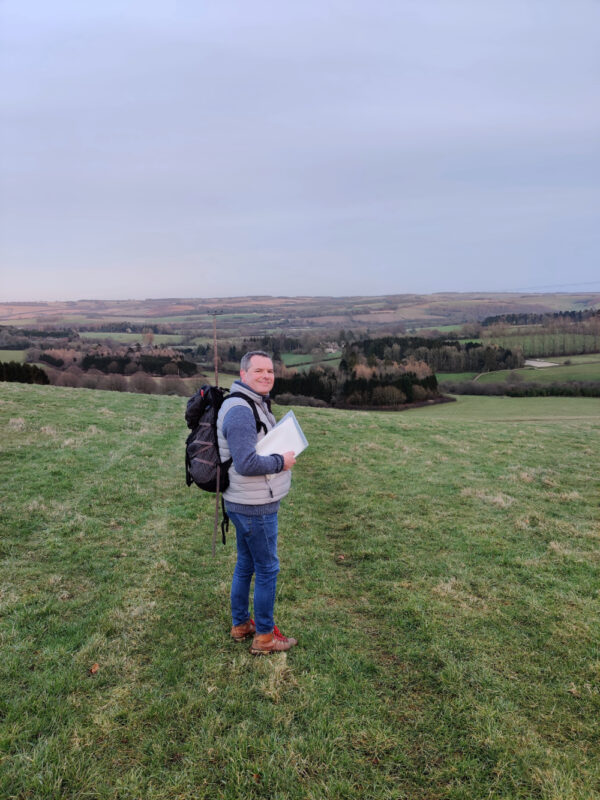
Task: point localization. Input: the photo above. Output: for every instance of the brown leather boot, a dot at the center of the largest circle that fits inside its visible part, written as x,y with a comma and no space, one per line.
274,642
243,631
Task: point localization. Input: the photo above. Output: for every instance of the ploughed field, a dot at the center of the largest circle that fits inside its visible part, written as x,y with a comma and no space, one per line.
439,567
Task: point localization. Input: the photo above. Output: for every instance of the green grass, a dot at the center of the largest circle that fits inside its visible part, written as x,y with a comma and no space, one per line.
582,371
588,358
303,362
441,328
225,378
13,355
200,317
513,409
25,322
439,568
291,359
132,338
455,377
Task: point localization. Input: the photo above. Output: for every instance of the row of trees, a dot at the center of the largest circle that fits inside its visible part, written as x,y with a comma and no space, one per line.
548,343
22,373
126,327
342,390
139,382
230,352
275,344
526,389
543,335
541,319
12,338
440,354
131,362
112,358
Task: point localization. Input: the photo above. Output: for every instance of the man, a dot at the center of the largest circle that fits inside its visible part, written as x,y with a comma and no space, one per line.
256,485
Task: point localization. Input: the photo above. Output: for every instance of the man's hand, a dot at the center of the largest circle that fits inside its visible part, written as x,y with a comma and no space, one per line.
289,459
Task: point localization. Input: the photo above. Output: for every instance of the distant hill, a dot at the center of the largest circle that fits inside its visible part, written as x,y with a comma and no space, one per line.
255,315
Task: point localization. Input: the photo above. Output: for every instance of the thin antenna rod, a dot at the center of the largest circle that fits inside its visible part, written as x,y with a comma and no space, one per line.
216,525
215,349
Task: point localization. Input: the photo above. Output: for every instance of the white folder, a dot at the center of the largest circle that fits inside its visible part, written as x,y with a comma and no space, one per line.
285,436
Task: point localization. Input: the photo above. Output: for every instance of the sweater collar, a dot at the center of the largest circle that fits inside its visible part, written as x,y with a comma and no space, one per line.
261,398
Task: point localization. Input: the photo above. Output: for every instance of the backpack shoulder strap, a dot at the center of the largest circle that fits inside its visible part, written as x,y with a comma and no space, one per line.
259,423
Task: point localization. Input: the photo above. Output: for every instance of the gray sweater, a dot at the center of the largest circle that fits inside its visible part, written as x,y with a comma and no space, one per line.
256,483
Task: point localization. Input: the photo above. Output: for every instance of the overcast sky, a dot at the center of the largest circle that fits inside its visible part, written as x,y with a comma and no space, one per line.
218,148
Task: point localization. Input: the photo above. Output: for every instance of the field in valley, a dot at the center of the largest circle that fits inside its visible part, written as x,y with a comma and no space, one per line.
132,338
565,369
439,567
13,355
589,371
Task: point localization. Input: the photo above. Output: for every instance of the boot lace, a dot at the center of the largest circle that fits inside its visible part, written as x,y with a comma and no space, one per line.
278,634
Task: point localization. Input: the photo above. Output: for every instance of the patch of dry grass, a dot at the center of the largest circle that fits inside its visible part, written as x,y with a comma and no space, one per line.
486,496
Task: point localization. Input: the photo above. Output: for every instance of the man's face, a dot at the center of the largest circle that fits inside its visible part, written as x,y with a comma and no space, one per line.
259,376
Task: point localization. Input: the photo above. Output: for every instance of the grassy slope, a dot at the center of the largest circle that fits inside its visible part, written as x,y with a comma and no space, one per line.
579,368
581,371
440,568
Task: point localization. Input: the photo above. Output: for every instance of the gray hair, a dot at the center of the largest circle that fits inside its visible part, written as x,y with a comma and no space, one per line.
247,358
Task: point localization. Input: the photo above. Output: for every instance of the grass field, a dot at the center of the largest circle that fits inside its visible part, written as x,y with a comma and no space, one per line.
455,377
439,567
571,368
132,338
441,328
13,355
588,358
581,371
478,410
305,361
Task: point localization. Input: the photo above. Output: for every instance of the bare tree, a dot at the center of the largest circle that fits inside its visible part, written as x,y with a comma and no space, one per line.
173,384
66,379
113,383
89,381
142,383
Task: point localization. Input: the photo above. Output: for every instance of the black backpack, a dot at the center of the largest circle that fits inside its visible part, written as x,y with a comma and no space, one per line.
203,465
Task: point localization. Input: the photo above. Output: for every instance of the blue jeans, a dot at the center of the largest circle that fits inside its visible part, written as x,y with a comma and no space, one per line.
256,555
